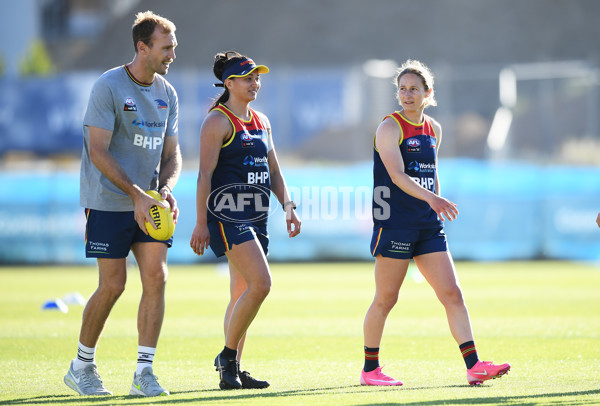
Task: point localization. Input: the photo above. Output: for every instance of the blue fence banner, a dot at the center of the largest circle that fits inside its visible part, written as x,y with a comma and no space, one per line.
44,116
508,211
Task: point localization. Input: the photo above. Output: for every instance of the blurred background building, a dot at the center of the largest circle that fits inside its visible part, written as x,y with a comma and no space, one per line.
516,81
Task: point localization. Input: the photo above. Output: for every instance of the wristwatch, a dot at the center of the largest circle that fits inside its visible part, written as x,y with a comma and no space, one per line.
289,203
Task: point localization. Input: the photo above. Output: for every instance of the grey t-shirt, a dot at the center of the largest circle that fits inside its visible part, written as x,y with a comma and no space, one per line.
140,116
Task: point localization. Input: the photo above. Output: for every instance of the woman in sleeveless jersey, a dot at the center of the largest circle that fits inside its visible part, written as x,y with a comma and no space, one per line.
408,215
238,170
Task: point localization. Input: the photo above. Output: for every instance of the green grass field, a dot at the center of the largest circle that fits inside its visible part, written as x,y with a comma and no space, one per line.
542,317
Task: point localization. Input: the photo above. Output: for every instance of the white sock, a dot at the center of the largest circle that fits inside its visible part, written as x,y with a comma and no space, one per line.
145,358
85,356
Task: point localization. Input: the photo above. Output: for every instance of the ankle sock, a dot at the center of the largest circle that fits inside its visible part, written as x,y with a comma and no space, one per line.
145,358
371,359
469,353
85,356
228,353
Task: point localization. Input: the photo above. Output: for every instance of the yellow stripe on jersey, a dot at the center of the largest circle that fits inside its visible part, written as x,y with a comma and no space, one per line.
410,122
399,125
137,82
230,140
401,131
222,230
87,218
377,243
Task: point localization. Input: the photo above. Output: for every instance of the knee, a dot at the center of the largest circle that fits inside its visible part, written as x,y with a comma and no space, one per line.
155,278
386,301
260,288
452,297
112,289
159,275
264,287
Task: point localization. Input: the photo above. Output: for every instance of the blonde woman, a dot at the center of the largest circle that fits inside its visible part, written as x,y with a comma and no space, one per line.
408,216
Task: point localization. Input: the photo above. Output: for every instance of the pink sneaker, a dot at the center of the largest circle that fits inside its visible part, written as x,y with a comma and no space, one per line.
484,370
377,378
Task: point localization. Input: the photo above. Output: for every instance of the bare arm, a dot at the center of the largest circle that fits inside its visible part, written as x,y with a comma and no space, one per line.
387,139
170,169
216,128
279,189
104,161
438,134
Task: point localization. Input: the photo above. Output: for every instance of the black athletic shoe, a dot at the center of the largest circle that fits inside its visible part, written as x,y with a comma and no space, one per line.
228,372
248,382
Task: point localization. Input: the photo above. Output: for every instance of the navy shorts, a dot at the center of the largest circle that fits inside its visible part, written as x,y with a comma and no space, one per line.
110,234
406,244
224,235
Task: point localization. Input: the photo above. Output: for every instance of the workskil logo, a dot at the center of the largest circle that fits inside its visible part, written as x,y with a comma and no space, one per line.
250,160
148,125
420,167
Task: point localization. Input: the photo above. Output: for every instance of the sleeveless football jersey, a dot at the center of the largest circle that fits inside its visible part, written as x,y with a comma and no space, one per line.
392,207
241,184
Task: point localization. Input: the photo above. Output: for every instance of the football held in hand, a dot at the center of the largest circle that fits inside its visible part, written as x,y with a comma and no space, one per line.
163,219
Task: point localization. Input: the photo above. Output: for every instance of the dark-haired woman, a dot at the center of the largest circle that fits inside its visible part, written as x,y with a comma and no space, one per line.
408,215
238,171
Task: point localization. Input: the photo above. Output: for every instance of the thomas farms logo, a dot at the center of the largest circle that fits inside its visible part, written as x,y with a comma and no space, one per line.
240,202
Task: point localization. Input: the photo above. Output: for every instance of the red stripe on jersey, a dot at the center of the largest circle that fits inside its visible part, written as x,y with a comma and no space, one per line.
240,125
377,243
222,230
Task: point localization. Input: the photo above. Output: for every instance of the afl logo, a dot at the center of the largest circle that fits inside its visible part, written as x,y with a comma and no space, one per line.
129,104
413,142
240,203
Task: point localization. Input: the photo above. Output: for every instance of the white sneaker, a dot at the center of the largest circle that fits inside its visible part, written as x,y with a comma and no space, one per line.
146,384
86,381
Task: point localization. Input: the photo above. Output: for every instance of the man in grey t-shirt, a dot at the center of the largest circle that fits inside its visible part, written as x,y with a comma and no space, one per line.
130,145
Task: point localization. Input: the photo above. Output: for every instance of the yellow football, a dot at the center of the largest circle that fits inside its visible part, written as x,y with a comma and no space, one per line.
163,219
